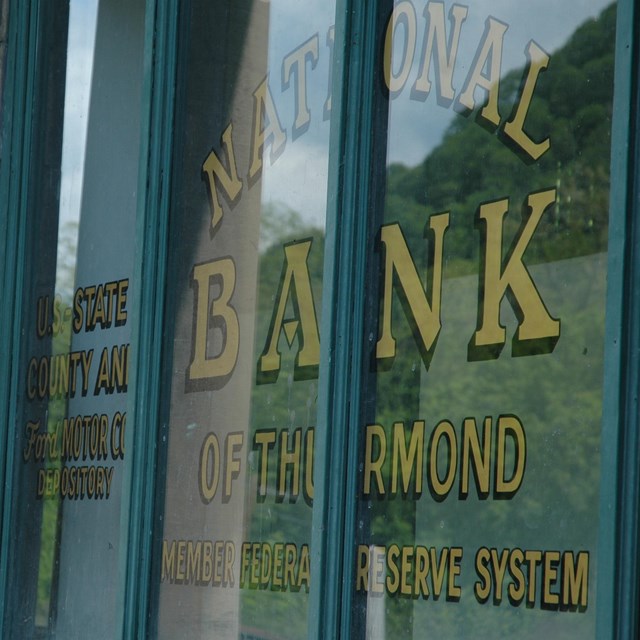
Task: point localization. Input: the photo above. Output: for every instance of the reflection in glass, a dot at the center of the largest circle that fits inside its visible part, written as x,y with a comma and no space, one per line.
242,352
81,38
480,454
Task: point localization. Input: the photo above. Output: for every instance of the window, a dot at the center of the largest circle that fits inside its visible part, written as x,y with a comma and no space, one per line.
320,319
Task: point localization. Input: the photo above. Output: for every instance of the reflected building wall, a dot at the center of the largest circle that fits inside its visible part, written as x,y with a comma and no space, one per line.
224,60
93,545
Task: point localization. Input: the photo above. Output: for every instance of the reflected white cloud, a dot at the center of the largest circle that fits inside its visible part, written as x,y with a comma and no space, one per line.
81,39
298,179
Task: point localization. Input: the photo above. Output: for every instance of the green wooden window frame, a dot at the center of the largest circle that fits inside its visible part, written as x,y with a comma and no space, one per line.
618,574
352,199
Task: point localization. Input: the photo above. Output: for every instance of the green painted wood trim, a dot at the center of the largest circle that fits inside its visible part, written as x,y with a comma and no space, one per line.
350,184
151,231
8,231
617,571
330,447
14,188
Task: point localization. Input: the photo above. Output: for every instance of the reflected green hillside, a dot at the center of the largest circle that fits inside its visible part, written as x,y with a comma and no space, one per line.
572,106
557,396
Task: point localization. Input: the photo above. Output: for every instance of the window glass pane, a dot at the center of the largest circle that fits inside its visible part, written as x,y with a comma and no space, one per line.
69,508
480,437
242,351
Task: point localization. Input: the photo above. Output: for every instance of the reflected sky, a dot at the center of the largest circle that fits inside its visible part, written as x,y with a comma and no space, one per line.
81,40
416,128
298,178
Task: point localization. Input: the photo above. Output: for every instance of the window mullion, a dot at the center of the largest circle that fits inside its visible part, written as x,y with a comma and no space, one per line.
151,228
352,204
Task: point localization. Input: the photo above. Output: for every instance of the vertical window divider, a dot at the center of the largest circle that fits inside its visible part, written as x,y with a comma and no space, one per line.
351,164
617,590
14,186
152,232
